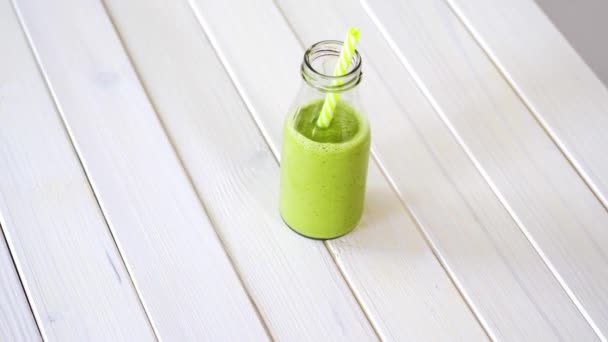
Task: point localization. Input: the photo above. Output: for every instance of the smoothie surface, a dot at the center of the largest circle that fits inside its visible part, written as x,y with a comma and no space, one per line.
344,125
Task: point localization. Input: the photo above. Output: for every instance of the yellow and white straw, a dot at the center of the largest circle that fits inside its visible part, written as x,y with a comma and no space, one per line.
331,100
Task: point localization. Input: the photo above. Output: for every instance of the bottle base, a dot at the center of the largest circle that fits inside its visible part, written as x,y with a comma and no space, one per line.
318,238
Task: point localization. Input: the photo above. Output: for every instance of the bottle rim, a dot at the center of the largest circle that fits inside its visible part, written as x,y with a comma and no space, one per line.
330,83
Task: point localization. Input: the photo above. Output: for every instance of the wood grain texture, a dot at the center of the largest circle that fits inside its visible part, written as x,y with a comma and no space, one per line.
67,259
559,88
295,283
561,217
16,319
391,269
185,279
507,284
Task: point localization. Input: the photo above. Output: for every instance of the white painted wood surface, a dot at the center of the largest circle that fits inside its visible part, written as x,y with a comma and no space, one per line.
67,259
503,278
185,279
559,88
16,319
486,223
552,205
398,281
295,283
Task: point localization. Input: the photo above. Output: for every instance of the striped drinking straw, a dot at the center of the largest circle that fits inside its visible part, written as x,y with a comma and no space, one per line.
331,100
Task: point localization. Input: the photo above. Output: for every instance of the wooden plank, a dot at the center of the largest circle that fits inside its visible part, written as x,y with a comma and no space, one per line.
561,217
421,178
386,260
185,279
16,319
555,83
295,283
70,267
512,291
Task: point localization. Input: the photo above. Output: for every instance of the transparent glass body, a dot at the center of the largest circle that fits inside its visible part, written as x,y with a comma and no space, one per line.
324,170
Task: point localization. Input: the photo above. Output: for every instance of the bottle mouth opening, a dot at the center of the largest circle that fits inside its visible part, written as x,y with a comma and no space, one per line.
319,63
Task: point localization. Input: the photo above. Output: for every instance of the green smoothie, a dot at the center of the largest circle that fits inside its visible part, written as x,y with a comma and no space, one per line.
323,171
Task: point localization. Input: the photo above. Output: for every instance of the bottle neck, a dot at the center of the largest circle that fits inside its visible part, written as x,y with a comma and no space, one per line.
318,68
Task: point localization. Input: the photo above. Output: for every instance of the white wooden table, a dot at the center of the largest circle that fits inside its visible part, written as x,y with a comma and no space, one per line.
139,145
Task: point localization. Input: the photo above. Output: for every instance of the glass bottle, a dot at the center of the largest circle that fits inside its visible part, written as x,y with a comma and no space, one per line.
323,170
